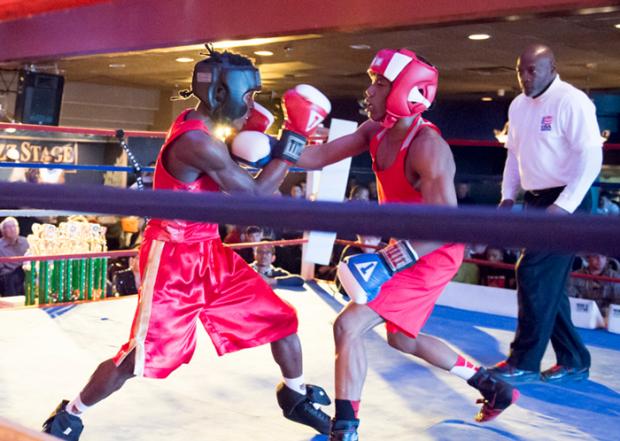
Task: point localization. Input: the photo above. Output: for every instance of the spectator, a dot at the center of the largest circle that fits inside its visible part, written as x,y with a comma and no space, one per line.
607,207
372,190
249,234
296,192
468,271
603,293
11,244
359,193
496,277
462,194
232,234
264,256
127,281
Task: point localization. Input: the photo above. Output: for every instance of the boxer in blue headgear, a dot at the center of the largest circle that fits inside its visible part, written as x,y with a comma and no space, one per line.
188,274
221,81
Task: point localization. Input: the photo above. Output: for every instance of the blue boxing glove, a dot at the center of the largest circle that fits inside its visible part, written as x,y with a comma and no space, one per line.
362,275
252,148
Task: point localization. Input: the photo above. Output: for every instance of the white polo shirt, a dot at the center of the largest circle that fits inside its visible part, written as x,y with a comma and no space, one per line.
553,141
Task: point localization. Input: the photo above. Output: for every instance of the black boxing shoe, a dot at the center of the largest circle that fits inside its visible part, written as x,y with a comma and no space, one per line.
512,374
62,424
300,408
497,394
560,374
344,430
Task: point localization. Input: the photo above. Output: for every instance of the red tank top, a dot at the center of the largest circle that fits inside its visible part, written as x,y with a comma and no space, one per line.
392,183
180,230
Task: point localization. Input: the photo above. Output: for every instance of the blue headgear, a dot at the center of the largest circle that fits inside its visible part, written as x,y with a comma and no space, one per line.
221,81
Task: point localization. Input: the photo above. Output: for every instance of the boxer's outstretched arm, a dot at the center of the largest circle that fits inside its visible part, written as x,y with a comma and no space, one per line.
196,152
318,156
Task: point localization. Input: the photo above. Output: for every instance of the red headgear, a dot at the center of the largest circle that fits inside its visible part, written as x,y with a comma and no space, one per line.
414,83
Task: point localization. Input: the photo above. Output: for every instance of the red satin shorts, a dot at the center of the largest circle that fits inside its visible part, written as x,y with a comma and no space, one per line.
407,300
204,280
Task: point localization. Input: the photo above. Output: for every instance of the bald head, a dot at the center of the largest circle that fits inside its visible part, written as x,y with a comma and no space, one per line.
535,69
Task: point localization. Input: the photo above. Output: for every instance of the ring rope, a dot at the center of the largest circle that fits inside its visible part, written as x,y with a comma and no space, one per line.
83,167
488,263
133,252
275,243
40,213
278,243
127,169
111,254
532,229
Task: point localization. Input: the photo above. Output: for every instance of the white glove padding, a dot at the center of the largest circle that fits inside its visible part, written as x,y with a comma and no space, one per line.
251,147
363,275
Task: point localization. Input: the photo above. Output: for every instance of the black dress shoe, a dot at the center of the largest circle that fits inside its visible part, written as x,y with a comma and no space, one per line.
560,374
512,375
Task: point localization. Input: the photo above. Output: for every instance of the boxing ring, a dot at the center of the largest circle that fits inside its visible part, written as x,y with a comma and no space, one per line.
48,353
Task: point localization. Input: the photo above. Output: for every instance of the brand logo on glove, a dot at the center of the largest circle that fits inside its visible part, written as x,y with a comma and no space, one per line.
366,269
314,119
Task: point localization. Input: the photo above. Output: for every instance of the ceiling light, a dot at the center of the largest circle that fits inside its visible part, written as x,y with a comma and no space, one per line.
486,98
228,44
184,60
263,53
617,26
479,36
602,10
116,65
360,47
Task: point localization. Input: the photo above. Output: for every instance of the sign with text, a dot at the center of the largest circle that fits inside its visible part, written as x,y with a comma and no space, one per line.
44,151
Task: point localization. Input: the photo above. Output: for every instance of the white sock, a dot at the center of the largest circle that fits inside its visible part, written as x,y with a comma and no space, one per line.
297,384
76,407
463,368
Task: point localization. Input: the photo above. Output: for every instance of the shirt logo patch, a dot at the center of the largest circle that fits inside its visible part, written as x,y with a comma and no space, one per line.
545,124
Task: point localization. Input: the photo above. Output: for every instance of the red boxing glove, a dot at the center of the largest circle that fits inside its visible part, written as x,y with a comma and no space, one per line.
304,107
260,119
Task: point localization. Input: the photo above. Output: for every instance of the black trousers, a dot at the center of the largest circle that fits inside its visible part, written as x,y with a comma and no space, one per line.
544,308
12,284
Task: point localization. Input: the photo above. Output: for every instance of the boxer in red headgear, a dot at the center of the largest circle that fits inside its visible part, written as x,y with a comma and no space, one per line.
187,274
400,284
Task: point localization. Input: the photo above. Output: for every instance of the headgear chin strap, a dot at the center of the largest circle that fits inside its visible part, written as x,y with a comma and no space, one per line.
414,83
221,81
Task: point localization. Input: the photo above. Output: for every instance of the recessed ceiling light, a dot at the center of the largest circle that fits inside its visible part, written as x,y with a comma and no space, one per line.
479,36
263,53
360,47
486,98
617,26
116,65
184,60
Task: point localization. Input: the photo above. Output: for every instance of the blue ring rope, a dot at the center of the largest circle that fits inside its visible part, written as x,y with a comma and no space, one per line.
531,228
100,168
